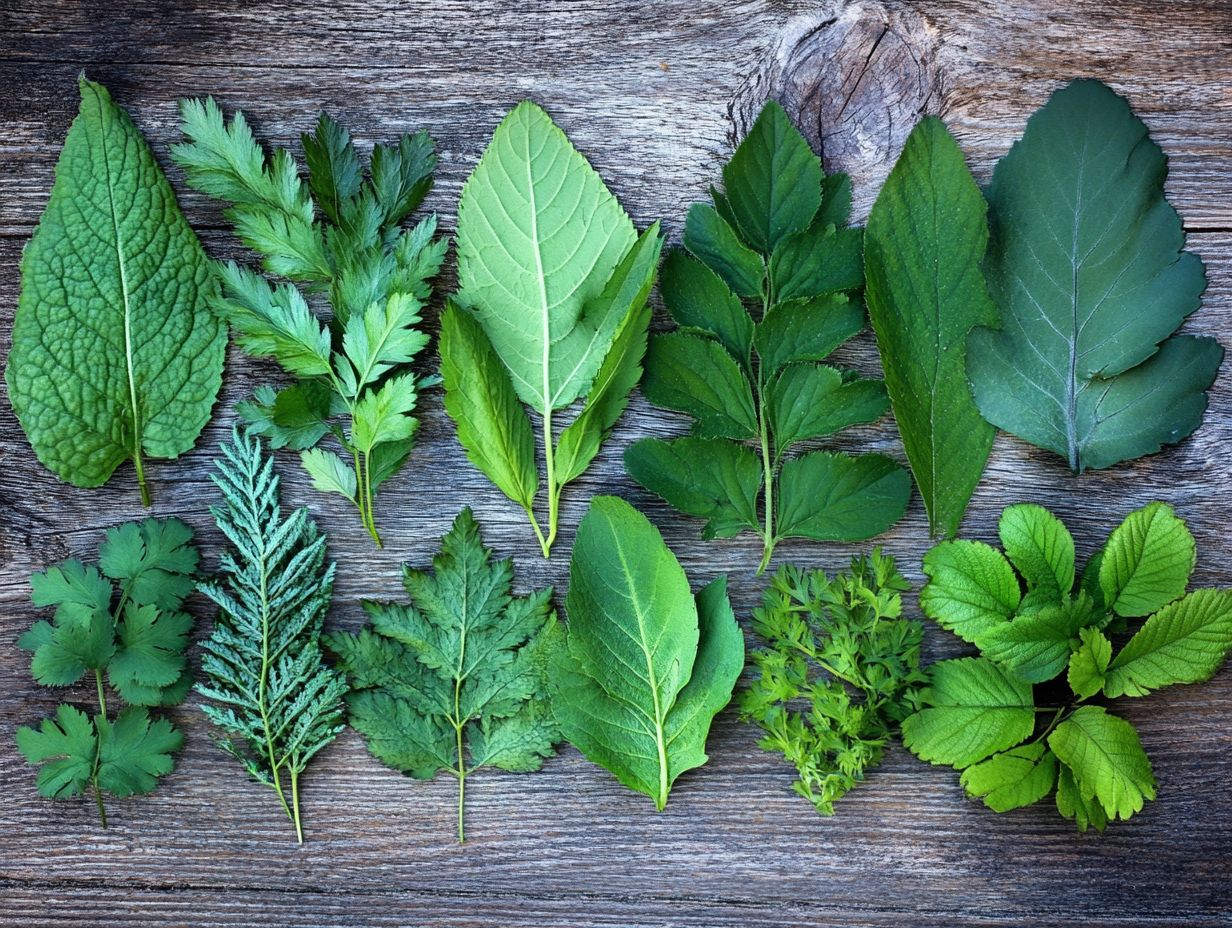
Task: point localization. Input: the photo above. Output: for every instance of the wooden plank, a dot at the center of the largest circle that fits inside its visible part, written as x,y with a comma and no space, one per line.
568,845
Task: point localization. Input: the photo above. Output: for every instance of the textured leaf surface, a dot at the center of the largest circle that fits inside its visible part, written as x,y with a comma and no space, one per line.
1013,779
115,354
838,497
923,246
637,685
1035,646
1106,759
1040,547
972,709
1147,561
1184,642
1087,267
971,588
538,237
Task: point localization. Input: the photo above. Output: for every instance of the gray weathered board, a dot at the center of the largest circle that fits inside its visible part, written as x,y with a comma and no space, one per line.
654,94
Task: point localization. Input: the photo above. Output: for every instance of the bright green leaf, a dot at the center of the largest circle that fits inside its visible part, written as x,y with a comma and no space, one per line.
695,375
971,588
1107,761
1012,779
1185,642
1039,545
1147,561
805,331
837,497
1089,662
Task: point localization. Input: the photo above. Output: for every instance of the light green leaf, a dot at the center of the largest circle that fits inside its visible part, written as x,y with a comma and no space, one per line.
384,414
273,321
805,331
697,298
1085,363
1147,561
828,496
1086,813
493,427
377,340
1185,642
695,375
329,473
710,479
1088,663
711,240
773,181
924,243
1036,645
634,690
115,354
538,238
1107,761
817,262
971,588
972,709
297,416
1039,545
1012,779
812,400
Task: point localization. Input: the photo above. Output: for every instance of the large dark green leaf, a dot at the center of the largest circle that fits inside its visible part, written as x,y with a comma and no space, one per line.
1086,264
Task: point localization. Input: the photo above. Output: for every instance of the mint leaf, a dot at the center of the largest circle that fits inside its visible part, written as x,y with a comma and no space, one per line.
115,354
1106,759
971,588
972,709
1012,779
923,248
644,666
1086,363
1147,561
1184,642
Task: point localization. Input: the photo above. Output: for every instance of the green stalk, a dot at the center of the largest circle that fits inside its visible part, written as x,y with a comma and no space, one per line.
299,831
102,711
141,484
262,686
458,724
768,466
549,457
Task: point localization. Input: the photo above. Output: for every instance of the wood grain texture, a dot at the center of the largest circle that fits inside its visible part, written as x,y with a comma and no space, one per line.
655,95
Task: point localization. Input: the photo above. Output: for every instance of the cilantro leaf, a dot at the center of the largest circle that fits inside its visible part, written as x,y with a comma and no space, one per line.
767,290
152,560
355,382
1090,369
453,681
134,751
840,670
115,354
149,654
64,750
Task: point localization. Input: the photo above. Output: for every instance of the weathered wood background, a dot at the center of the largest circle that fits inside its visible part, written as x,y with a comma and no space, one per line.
654,94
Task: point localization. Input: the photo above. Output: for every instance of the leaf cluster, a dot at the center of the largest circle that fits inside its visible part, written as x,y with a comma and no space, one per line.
453,681
840,671
340,234
766,288
120,622
1025,717
644,665
551,305
270,692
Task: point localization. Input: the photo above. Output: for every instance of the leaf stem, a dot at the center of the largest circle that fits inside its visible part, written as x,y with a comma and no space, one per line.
262,686
141,484
299,830
98,750
768,466
549,458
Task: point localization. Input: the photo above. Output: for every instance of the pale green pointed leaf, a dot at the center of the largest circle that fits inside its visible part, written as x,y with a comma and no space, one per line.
707,478
1012,779
972,708
828,496
1039,545
695,375
1185,642
493,427
971,588
1107,761
1147,561
711,239
925,240
115,354
773,181
329,472
1086,265
538,238
632,658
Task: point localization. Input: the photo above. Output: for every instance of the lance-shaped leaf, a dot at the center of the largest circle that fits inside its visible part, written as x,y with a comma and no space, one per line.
1086,265
923,246
645,666
115,353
